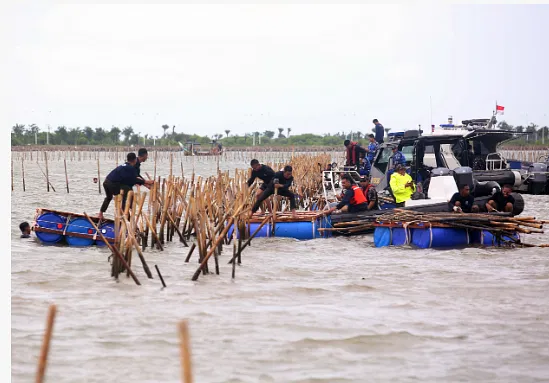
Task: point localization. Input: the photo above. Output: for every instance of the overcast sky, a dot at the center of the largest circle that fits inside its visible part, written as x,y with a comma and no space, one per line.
314,68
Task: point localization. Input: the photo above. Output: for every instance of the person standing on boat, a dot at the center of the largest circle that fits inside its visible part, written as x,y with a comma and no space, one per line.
463,201
123,177
142,156
502,200
402,185
380,131
353,200
369,192
353,152
263,172
398,157
282,182
372,148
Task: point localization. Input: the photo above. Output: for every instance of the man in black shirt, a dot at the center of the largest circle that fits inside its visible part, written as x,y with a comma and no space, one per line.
263,172
123,177
282,182
502,200
463,201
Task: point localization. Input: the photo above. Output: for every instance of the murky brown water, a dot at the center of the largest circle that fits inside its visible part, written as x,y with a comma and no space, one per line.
327,310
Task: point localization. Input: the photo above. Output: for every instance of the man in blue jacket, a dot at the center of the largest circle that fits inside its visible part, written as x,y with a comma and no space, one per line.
380,132
123,177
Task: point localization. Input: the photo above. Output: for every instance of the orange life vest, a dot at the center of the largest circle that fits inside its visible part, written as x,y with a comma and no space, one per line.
358,198
365,192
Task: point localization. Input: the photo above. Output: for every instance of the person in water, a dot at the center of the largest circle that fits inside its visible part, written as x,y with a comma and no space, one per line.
282,182
263,172
122,178
502,200
463,201
402,185
25,230
353,200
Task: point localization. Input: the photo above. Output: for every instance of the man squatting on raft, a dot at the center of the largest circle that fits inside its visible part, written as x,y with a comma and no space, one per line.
463,201
502,200
282,182
263,172
123,177
353,200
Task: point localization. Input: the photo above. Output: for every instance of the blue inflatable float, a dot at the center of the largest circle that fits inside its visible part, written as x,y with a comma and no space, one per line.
52,227
301,230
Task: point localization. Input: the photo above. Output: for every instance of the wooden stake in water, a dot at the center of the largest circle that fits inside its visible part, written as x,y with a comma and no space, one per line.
186,372
23,171
98,176
66,175
47,171
12,174
46,345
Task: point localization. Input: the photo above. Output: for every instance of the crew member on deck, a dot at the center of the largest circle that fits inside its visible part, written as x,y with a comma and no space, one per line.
353,152
380,131
25,230
123,177
372,148
353,201
502,200
283,182
263,172
369,192
402,185
365,166
463,201
398,157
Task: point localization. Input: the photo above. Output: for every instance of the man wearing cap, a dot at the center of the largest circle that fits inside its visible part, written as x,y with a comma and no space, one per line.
369,192
398,157
402,185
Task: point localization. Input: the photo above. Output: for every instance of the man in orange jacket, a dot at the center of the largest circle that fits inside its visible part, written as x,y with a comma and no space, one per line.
353,201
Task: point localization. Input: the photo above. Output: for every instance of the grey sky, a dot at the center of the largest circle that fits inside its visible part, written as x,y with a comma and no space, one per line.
314,68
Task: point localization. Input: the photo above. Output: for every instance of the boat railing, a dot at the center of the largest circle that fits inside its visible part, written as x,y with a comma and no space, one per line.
495,161
331,182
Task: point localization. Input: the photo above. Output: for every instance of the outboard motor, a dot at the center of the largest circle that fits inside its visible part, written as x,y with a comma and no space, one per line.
539,178
464,176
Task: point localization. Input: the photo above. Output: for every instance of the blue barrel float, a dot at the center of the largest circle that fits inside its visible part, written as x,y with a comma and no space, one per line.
439,237
51,221
485,238
79,226
107,229
302,230
390,236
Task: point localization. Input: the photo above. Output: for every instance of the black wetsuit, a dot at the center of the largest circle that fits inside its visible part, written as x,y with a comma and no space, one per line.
265,174
123,177
283,191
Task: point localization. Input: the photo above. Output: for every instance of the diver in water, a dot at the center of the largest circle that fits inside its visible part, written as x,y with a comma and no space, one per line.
25,230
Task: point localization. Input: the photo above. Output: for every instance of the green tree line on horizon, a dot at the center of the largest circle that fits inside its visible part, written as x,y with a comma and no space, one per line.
32,134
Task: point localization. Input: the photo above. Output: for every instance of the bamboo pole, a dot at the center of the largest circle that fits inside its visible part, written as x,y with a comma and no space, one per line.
185,348
98,176
46,344
23,171
47,171
66,175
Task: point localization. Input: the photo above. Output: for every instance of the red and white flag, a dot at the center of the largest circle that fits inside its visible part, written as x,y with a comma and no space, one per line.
499,109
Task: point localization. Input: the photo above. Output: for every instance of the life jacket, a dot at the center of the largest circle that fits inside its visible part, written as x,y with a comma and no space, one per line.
358,198
365,192
351,153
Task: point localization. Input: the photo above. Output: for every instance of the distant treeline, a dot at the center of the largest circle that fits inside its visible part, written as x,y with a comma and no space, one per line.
23,135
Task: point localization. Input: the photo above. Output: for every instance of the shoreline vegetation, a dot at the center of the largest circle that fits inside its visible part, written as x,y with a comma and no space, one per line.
32,137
